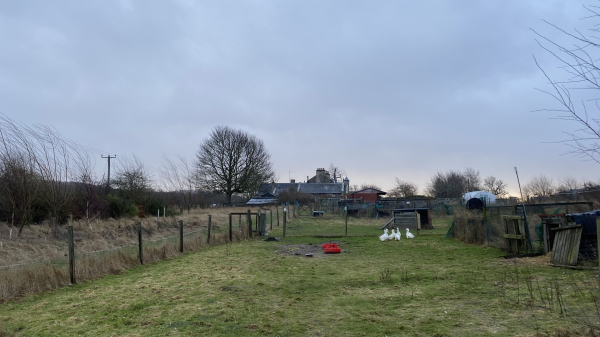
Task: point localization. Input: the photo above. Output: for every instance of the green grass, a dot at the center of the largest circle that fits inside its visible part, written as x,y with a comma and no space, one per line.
429,286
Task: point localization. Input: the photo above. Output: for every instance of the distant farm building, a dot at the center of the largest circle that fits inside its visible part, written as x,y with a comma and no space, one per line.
369,195
320,186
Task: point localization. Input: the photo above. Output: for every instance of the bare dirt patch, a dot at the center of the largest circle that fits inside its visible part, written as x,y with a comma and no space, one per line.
302,250
542,260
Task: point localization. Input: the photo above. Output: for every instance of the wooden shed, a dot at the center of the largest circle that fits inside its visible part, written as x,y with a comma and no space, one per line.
425,220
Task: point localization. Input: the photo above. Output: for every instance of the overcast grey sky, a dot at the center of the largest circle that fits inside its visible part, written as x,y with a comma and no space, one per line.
382,89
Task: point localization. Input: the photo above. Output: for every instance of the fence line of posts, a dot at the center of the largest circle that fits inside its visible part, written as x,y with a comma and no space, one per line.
260,221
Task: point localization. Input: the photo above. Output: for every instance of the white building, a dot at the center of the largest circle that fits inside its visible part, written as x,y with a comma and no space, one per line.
487,197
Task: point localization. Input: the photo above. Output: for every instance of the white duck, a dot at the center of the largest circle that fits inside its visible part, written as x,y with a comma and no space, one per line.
384,236
392,235
398,234
409,234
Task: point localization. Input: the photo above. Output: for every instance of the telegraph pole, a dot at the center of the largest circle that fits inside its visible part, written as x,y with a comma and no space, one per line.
108,157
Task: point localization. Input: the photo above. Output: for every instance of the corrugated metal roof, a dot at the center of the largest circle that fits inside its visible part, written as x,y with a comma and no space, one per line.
332,188
257,201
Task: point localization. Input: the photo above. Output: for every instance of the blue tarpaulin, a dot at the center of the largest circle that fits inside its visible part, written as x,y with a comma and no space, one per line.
587,221
588,247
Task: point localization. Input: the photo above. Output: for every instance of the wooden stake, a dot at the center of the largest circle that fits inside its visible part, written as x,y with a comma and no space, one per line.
249,224
181,236
140,246
71,256
230,229
284,222
346,222
209,225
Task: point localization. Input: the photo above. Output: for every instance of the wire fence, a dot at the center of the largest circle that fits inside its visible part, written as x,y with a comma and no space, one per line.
75,265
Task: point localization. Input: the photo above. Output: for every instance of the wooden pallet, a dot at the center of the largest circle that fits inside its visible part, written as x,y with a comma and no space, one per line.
516,242
566,245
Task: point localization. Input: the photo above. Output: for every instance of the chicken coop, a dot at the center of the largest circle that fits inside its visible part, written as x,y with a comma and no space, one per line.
424,219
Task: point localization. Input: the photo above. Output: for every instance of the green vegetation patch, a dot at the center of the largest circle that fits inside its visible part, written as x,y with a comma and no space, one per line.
422,287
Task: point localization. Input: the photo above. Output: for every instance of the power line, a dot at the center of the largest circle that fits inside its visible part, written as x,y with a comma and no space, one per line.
108,157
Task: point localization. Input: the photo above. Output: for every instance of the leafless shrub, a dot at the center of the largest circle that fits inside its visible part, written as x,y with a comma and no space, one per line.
495,186
403,189
539,186
180,177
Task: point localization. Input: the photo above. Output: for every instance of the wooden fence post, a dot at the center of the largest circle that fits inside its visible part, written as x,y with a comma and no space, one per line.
209,225
271,219
284,222
249,224
140,246
71,256
230,229
181,236
277,209
258,222
346,222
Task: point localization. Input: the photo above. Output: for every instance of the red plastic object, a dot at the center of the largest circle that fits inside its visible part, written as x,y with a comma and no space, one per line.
329,245
332,250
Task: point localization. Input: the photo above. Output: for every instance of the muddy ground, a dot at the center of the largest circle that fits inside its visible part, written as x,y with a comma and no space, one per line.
302,250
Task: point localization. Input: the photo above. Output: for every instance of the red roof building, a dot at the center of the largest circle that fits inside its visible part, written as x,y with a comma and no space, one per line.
366,195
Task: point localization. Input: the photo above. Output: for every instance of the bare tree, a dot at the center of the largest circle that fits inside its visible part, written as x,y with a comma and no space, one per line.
20,181
569,184
472,180
495,186
180,177
539,186
132,179
38,167
336,172
55,162
366,186
403,189
233,161
582,74
452,184
90,186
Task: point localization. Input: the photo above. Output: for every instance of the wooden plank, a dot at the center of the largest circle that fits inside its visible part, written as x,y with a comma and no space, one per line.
512,217
565,227
576,242
566,245
387,223
514,236
556,248
564,256
563,247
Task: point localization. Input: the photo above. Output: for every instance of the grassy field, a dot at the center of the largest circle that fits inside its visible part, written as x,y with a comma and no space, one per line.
428,286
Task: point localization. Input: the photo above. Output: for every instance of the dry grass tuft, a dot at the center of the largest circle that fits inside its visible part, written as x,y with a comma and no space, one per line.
468,226
36,261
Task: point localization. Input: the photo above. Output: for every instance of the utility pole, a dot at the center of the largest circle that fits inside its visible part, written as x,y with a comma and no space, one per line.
108,157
